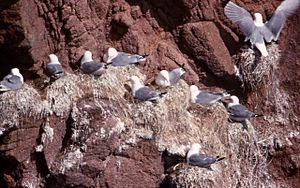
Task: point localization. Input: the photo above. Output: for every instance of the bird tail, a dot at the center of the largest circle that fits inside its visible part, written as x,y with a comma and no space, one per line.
226,94
182,66
3,88
106,64
219,158
142,58
163,93
257,115
262,48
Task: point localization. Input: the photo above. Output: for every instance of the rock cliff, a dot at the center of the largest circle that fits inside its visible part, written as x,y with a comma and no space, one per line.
86,132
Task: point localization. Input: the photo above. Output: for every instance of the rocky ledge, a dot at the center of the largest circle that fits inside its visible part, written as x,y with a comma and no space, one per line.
86,132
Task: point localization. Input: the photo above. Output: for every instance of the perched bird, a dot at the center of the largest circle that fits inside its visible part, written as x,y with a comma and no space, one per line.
238,112
195,158
205,97
142,92
256,30
13,81
167,78
121,58
89,66
54,69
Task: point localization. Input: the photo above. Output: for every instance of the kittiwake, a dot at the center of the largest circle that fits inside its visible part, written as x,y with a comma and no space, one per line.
142,92
121,58
195,158
13,81
256,30
205,97
167,78
54,68
238,112
89,66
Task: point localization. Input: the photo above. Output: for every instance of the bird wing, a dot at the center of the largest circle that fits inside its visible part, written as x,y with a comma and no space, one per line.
11,82
123,59
240,111
285,9
90,67
54,69
174,76
206,97
241,17
145,93
201,160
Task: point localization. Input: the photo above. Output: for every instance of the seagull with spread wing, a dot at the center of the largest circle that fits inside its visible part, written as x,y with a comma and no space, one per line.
255,30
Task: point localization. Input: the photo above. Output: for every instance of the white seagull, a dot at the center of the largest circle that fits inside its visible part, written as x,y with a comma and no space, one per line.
89,66
256,30
142,92
12,81
195,158
167,78
205,97
238,112
54,68
121,58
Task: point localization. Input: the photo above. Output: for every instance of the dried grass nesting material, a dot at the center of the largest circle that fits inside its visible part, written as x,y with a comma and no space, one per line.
256,70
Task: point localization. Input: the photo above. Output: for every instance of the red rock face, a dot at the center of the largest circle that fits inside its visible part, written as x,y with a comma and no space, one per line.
192,33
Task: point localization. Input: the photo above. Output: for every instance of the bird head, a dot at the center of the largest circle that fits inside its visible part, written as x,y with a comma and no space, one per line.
165,74
194,92
196,146
16,72
136,83
134,79
87,57
234,100
53,59
195,149
111,53
163,78
258,20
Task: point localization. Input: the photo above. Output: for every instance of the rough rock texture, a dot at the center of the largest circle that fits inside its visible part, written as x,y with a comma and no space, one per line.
86,132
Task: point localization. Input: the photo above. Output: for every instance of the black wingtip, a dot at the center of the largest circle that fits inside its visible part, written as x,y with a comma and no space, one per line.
105,66
220,158
258,115
182,66
163,93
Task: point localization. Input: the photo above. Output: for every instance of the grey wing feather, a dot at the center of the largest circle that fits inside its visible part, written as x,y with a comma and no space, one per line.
55,70
146,93
123,59
201,160
206,97
285,9
90,67
264,33
241,17
240,111
174,76
11,82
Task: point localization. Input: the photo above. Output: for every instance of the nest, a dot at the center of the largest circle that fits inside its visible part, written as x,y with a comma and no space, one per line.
256,70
